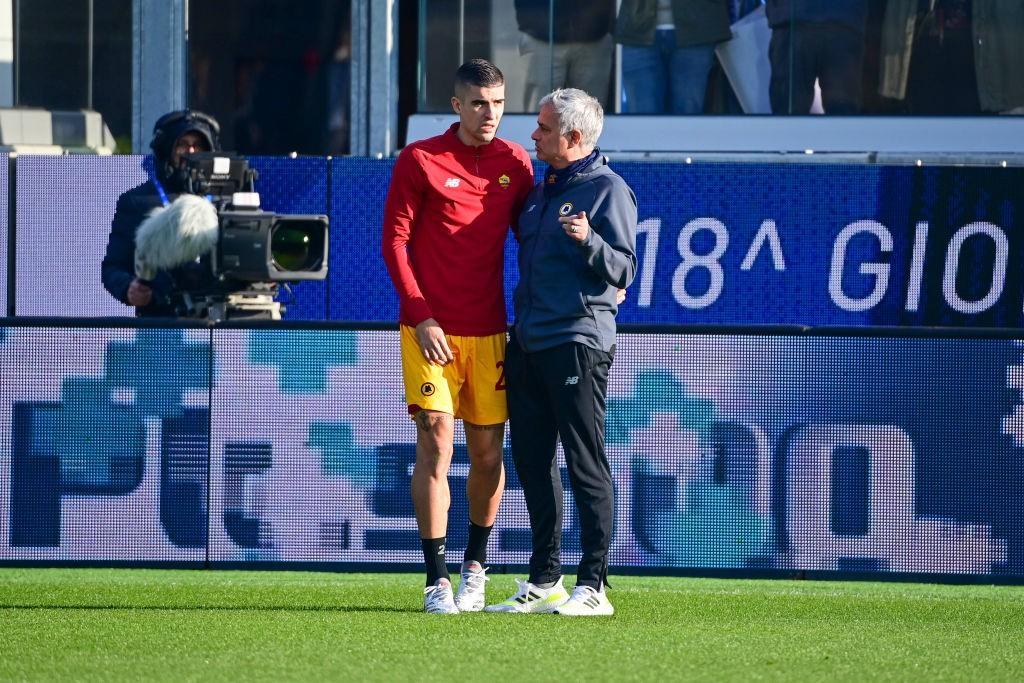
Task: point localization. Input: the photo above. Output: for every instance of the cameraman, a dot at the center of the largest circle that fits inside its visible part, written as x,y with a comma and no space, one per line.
174,135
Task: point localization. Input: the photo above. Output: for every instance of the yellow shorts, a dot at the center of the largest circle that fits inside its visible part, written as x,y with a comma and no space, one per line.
471,387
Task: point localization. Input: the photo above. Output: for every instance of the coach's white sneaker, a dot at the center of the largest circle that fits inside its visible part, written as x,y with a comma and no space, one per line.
531,599
470,597
587,602
438,598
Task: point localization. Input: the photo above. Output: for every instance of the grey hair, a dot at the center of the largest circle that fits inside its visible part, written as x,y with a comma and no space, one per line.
577,111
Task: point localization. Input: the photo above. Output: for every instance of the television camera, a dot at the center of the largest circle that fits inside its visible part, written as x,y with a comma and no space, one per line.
228,257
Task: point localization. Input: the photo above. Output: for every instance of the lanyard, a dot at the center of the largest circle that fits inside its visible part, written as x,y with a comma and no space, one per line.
159,188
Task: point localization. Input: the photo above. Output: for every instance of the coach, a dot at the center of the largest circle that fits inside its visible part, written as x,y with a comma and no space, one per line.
577,247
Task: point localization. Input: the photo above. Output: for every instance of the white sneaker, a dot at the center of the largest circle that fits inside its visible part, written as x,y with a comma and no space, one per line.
587,602
438,599
530,599
470,597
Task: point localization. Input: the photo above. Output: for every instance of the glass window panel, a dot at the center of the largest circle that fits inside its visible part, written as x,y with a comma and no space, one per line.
685,57
554,44
439,55
63,65
275,73
53,54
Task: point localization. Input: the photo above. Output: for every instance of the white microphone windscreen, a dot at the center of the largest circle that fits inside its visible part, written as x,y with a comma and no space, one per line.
176,234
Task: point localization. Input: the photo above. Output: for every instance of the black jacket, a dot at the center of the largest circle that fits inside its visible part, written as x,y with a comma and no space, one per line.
698,22
118,269
574,21
852,13
566,290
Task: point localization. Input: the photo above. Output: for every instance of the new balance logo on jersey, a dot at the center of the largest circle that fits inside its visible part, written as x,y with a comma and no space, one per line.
575,379
452,182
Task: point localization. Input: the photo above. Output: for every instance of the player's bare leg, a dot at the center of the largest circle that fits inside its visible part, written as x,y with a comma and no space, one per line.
486,480
431,499
435,433
484,486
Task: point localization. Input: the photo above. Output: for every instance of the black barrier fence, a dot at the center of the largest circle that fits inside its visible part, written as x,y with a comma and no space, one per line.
774,450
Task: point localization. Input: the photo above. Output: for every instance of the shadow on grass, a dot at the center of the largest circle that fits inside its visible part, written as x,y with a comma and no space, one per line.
216,608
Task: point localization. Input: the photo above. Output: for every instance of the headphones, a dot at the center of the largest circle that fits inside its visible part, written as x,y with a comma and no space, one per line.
171,126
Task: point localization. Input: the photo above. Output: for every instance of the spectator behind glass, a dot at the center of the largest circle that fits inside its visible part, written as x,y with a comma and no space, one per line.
741,8
339,88
954,56
668,51
819,40
571,48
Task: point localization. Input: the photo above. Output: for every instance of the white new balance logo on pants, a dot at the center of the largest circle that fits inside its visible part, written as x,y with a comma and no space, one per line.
575,379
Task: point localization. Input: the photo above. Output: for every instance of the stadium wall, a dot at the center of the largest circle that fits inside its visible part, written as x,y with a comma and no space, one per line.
719,243
843,451
819,372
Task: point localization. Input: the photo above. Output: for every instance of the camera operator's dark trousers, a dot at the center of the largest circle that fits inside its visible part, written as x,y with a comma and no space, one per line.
562,392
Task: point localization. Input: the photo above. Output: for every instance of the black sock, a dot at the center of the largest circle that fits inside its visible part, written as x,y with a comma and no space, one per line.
433,556
476,548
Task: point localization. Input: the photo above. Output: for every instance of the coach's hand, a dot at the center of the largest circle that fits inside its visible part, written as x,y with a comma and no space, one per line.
576,227
433,343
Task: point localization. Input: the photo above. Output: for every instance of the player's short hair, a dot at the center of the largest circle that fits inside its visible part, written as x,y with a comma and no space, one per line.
479,73
577,111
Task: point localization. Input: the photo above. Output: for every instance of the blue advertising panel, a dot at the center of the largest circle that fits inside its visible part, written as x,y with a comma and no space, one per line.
360,289
872,454
103,444
770,244
64,208
296,186
827,245
735,244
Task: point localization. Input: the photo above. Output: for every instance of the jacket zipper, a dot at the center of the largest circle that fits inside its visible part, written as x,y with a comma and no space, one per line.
533,250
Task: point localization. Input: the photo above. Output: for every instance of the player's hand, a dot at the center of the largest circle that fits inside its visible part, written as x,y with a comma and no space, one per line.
139,294
576,227
433,343
620,296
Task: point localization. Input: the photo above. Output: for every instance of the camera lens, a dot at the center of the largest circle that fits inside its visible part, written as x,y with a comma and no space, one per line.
290,247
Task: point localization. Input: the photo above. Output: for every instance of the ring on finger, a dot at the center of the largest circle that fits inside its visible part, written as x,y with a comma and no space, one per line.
574,229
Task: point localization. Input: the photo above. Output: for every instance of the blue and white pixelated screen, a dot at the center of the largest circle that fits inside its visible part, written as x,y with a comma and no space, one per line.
101,447
718,243
64,208
765,244
862,454
3,232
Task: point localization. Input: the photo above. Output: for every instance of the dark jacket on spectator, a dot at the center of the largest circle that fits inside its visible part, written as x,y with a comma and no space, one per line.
118,268
119,262
698,22
574,21
852,13
998,31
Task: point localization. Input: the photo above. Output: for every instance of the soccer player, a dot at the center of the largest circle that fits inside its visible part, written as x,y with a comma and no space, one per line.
451,202
577,247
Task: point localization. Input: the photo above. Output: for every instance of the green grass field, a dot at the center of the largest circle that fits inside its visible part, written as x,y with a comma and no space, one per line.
146,624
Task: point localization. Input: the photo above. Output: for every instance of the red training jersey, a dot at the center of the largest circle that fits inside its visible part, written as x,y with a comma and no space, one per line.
445,222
